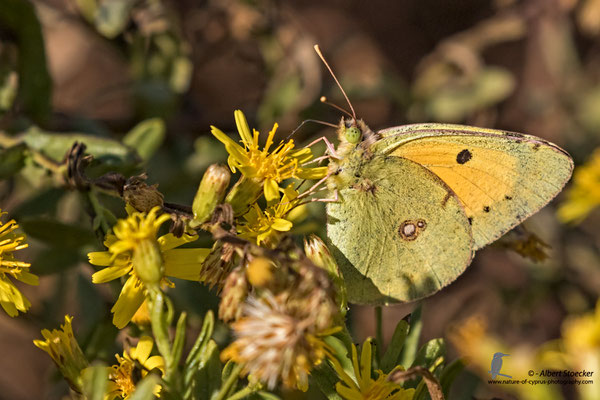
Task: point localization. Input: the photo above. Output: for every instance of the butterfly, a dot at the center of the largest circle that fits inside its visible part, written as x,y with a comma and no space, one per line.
414,202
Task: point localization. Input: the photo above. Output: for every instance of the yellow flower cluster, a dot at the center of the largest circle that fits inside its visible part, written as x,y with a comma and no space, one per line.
267,167
11,299
135,250
584,196
135,362
363,386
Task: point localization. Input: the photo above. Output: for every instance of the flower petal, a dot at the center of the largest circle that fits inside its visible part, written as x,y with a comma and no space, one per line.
100,258
170,241
109,274
235,150
281,225
155,362
312,173
28,278
142,351
184,263
271,191
130,299
242,126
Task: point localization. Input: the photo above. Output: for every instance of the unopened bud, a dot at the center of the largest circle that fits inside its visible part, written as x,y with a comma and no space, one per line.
243,194
211,192
316,250
148,263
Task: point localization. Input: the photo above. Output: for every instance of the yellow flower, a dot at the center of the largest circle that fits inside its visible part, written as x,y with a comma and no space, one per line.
11,299
134,365
134,250
65,352
364,387
269,168
264,226
274,344
584,195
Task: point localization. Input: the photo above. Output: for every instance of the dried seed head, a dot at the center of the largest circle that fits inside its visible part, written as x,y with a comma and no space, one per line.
233,295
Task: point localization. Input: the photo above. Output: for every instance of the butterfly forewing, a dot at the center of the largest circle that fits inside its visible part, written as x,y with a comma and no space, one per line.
501,178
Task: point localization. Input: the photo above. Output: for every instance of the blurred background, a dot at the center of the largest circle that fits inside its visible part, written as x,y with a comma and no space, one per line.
102,66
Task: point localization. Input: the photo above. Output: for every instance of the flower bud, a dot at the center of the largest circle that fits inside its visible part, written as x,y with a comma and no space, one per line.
148,263
243,194
319,254
211,192
65,352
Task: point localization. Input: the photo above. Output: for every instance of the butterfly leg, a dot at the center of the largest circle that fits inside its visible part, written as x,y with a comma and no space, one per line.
312,189
328,144
334,199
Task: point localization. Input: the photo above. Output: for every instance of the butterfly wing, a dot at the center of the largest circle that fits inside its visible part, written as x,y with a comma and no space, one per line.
399,233
501,178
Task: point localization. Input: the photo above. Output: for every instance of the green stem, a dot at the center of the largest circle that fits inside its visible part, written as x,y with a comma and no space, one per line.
240,394
98,210
160,331
378,332
231,380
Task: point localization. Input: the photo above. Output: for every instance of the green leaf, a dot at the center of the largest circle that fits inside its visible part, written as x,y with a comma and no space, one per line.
95,380
56,145
392,355
412,340
429,353
53,260
8,89
55,233
146,137
179,341
35,83
326,378
43,201
111,17
87,8
144,390
342,354
12,159
209,373
266,395
449,374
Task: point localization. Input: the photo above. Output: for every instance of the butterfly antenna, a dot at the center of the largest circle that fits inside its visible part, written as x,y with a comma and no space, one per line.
318,50
324,101
310,120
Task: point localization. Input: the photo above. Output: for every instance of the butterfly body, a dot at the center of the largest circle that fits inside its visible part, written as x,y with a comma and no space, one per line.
416,201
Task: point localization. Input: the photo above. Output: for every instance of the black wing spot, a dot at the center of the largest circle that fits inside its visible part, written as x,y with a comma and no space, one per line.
507,197
464,156
486,209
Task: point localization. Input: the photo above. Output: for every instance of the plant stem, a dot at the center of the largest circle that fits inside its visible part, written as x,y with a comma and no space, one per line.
378,332
240,394
231,379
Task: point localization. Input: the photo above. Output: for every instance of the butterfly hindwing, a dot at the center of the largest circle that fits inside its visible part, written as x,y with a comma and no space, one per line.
501,178
398,232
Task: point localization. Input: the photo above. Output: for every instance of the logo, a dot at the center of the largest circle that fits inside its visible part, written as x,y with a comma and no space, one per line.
497,365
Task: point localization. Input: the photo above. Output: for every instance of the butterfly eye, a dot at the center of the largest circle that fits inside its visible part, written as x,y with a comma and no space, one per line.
353,134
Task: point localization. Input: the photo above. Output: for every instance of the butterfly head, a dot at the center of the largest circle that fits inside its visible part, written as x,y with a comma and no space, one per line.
353,133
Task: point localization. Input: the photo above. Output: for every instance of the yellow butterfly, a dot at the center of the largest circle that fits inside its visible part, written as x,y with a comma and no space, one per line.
415,202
